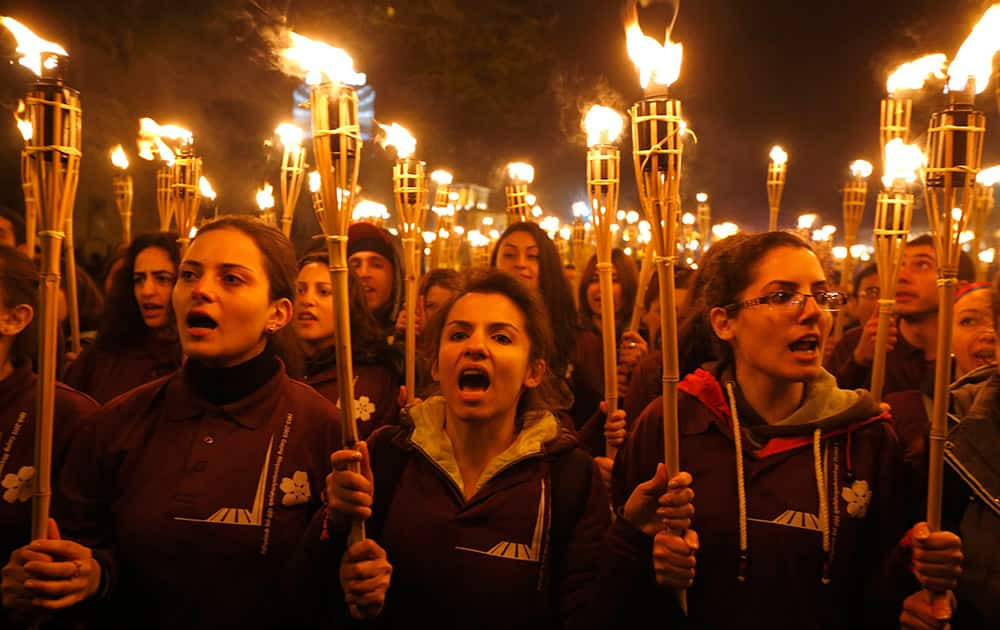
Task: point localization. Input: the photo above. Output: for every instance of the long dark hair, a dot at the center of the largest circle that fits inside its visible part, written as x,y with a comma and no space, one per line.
122,325
554,289
279,265
19,285
536,320
628,278
734,271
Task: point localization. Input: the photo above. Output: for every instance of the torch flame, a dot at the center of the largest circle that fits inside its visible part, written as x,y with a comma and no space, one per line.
313,59
397,136
975,57
989,176
778,155
521,172
861,168
987,256
912,74
23,124
118,157
902,162
206,188
603,125
442,177
290,135
657,63
701,197
314,181
151,143
30,46
367,209
806,221
265,197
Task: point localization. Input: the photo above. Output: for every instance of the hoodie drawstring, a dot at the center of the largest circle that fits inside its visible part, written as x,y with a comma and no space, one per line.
740,485
824,510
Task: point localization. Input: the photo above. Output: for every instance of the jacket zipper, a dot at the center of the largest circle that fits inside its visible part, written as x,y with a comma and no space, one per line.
451,482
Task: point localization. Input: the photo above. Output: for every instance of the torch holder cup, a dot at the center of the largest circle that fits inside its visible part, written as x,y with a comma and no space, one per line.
894,120
409,184
518,208
185,196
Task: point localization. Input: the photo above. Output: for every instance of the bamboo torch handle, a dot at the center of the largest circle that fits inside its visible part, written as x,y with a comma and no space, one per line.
410,264
605,271
885,307
48,316
939,418
645,275
337,251
72,302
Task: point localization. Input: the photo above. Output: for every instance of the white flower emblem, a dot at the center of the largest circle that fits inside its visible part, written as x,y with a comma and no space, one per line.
858,496
296,488
19,487
364,408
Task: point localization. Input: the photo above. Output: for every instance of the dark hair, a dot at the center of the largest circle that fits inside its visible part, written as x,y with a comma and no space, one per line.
536,320
89,299
122,324
117,254
966,266
445,278
734,271
16,223
628,278
366,338
554,289
871,269
19,285
279,266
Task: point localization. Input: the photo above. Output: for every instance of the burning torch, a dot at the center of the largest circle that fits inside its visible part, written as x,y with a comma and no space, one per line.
337,151
855,195
185,193
151,145
896,111
893,212
293,163
657,152
777,170
409,183
28,186
444,224
121,182
704,219
51,168
603,126
982,209
265,203
520,175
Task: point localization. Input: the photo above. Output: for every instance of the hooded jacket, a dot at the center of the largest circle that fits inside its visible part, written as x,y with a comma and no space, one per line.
501,559
819,512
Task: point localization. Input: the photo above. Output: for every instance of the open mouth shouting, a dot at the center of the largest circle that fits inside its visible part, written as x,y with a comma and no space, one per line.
473,382
200,324
805,347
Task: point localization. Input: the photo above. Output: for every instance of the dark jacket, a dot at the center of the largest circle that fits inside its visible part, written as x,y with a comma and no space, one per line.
376,392
905,366
786,563
17,461
193,509
501,559
105,373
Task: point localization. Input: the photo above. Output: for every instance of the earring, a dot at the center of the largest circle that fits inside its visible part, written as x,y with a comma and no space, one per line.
271,329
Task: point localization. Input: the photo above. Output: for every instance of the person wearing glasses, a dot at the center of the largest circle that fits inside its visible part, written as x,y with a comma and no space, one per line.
796,479
909,361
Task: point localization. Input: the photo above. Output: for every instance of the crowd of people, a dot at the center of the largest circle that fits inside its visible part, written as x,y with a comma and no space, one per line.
200,478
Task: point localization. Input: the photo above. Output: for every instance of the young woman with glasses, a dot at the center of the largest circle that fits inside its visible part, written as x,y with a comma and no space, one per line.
797,480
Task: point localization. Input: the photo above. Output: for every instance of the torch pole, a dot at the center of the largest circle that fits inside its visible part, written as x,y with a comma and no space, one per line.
53,170
123,201
409,183
603,177
657,153
855,196
645,275
775,186
163,207
410,264
337,149
292,177
30,189
185,197
72,300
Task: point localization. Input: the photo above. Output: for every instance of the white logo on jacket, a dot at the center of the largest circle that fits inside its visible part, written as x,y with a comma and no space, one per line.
858,496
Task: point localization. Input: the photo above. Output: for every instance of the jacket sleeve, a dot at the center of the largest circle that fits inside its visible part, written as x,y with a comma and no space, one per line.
579,588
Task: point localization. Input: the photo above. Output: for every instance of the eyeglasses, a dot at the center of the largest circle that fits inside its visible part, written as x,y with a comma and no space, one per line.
794,301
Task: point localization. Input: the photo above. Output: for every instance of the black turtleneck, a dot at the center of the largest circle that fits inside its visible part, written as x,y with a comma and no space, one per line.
225,385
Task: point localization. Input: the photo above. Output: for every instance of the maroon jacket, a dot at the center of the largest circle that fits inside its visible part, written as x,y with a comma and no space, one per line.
905,366
509,557
105,373
786,561
376,394
192,509
17,458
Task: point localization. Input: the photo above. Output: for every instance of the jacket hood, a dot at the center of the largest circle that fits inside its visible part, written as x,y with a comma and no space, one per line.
541,434
824,406
965,389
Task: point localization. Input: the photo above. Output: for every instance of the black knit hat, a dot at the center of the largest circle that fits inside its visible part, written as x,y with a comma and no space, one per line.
365,237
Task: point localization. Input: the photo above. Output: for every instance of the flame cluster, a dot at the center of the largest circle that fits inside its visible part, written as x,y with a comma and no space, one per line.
396,136
30,46
657,63
603,125
315,60
153,136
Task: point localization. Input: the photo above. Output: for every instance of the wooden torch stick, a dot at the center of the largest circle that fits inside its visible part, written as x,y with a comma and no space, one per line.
777,169
53,168
657,152
409,183
293,169
72,299
855,195
954,156
123,201
894,119
893,212
645,275
30,188
603,177
185,197
337,149
163,208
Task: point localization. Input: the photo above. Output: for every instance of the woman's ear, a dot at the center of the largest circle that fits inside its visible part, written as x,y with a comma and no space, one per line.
722,323
535,373
280,315
16,319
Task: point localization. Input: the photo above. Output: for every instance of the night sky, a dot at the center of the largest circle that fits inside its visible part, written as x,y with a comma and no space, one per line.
481,83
